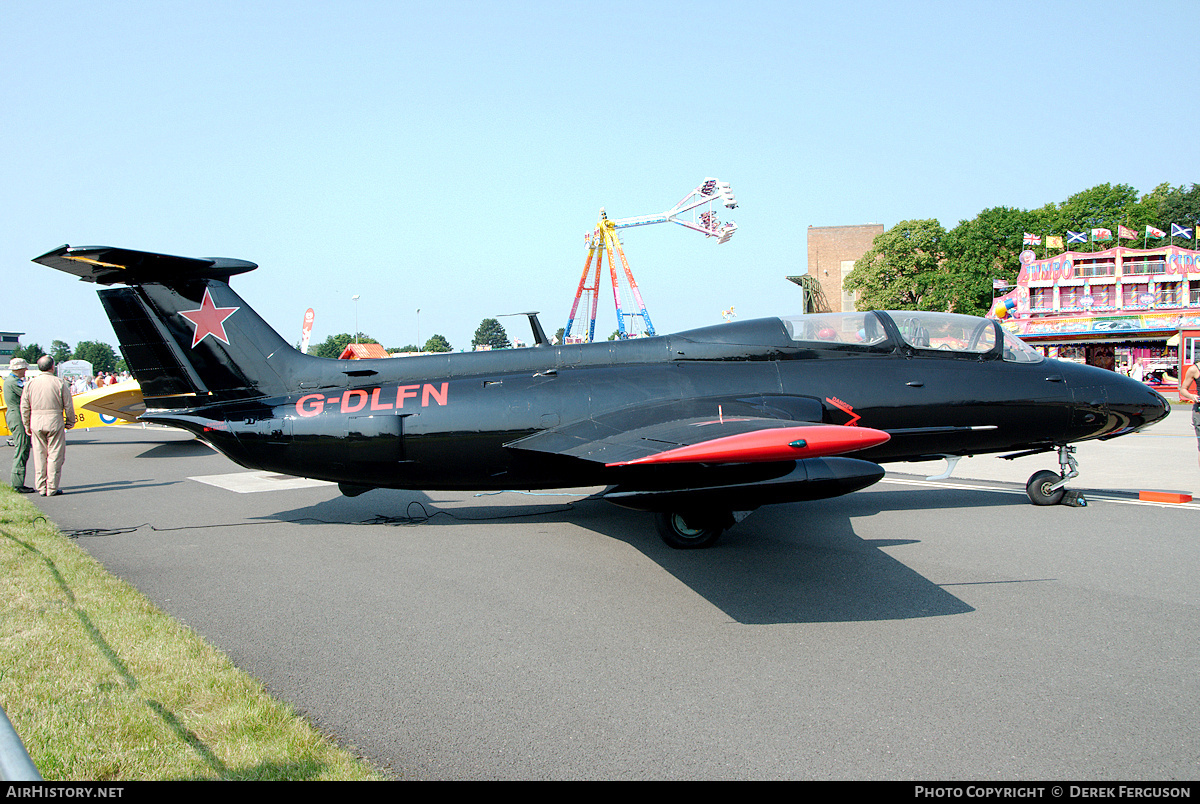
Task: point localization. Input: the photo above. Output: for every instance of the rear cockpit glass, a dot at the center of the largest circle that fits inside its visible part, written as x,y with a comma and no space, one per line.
949,332
1017,351
854,329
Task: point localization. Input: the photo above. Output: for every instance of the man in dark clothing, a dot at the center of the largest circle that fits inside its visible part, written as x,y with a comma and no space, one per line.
14,384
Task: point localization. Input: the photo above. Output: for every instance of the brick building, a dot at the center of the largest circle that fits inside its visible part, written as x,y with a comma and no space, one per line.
832,252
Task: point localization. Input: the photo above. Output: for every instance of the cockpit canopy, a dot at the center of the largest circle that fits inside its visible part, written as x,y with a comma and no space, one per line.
859,329
949,333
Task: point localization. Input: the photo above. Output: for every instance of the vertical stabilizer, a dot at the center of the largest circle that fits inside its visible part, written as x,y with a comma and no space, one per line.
197,338
186,336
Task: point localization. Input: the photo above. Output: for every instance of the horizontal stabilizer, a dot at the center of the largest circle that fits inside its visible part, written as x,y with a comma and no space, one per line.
109,266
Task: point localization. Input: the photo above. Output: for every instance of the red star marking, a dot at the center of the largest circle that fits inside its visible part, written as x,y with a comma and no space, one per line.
209,320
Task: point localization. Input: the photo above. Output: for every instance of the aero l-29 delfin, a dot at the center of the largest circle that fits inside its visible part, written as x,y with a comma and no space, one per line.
696,428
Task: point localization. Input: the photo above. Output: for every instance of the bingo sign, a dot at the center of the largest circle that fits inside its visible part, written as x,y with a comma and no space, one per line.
1047,270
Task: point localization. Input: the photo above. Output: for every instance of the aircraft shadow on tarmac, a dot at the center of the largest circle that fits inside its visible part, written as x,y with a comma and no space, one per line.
793,563
176,449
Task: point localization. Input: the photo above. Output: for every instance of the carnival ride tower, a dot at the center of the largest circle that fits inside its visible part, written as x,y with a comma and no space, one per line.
695,211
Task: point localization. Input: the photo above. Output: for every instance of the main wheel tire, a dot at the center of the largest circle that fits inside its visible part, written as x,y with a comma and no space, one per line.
1038,488
688,531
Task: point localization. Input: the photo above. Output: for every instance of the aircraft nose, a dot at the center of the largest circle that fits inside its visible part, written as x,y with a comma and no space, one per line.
1105,404
1132,404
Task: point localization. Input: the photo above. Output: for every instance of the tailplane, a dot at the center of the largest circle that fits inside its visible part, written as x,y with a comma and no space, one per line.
186,336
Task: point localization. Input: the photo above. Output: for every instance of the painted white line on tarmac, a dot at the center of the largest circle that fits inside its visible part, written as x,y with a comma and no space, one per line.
1089,495
253,482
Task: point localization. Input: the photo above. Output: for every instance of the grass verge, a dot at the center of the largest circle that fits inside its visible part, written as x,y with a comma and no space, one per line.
103,686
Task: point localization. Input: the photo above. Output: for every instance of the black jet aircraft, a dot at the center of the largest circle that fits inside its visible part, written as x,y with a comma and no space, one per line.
696,428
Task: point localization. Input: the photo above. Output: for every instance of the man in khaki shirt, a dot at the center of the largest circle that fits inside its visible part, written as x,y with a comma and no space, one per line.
47,413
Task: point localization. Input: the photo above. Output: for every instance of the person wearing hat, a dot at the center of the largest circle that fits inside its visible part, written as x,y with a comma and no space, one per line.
14,384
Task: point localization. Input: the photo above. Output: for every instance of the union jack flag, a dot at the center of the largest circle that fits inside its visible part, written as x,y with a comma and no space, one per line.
1032,240
1076,237
1152,232
1181,231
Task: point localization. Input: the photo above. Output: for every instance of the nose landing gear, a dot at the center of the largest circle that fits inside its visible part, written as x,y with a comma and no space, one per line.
1047,488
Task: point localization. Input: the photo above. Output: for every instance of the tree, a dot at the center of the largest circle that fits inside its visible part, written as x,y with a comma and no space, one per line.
1167,205
977,251
334,345
60,351
100,355
901,270
437,343
1103,206
490,333
29,353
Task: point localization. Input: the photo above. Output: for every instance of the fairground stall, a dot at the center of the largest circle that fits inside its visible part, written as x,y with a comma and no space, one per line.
1136,311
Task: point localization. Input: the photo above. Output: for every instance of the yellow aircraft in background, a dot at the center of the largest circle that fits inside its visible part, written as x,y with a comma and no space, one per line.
112,404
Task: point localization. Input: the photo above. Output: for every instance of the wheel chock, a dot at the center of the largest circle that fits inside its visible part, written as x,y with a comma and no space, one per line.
1164,496
1074,499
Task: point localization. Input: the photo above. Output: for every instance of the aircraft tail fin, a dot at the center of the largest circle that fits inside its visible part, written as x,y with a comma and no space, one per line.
187,337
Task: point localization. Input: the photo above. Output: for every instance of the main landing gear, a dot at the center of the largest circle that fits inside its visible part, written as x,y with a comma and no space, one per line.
1048,488
689,530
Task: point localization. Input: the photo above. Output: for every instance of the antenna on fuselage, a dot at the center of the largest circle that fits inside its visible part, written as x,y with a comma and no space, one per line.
539,335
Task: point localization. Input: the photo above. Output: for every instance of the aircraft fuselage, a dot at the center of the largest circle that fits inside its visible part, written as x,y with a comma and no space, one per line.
443,421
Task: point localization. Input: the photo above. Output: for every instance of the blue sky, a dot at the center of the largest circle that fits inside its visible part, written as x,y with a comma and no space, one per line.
450,156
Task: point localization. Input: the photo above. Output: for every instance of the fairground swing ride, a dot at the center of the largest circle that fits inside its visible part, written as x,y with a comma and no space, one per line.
695,211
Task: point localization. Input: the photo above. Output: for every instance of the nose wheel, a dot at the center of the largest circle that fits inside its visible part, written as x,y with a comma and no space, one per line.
1045,488
1049,488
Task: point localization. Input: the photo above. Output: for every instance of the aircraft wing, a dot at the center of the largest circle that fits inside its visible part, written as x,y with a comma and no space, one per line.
111,404
704,439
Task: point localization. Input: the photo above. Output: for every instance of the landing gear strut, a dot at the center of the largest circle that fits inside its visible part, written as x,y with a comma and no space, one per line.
1047,488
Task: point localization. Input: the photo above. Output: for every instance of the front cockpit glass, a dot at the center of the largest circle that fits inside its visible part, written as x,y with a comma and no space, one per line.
948,332
1017,351
851,329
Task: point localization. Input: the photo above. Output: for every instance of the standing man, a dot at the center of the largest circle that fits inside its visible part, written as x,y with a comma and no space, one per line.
1189,386
47,412
14,384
